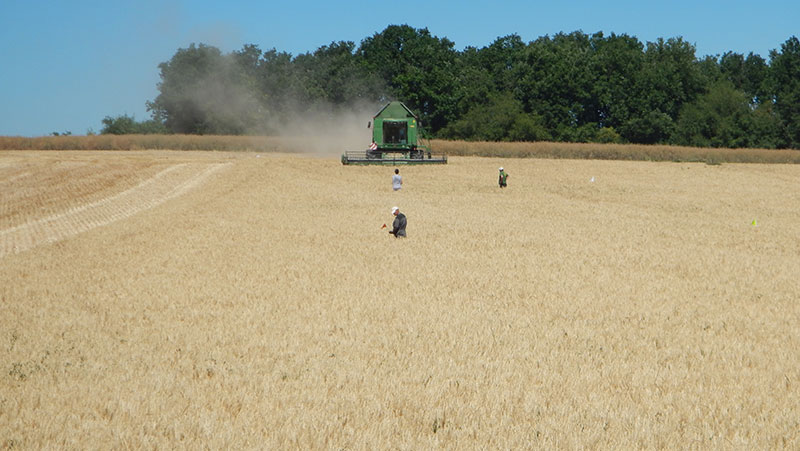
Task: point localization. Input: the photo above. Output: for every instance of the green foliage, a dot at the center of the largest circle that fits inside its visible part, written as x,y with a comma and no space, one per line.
766,127
607,135
616,58
501,61
127,125
652,127
569,87
719,118
418,68
500,119
727,117
203,91
668,79
785,81
528,127
332,74
555,81
747,75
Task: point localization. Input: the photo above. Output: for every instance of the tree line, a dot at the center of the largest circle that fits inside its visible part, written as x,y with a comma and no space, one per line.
570,87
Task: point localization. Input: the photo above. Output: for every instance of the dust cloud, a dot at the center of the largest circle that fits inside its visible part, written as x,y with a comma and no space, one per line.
328,130
225,101
319,128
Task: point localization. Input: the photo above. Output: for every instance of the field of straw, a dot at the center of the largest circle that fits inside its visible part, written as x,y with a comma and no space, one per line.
330,140
237,300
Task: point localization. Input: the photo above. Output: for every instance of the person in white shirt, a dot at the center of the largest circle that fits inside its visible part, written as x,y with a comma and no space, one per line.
397,180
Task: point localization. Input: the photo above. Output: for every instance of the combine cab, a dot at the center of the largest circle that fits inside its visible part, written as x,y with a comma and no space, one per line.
396,139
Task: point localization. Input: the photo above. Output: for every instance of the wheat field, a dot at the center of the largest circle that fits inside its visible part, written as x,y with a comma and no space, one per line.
193,300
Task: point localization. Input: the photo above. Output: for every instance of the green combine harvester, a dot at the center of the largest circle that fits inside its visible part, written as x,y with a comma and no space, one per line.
396,139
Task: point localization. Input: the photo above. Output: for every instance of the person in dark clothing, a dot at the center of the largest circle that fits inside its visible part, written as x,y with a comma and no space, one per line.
399,224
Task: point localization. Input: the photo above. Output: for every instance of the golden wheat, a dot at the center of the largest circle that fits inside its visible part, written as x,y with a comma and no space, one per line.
591,304
334,139
596,151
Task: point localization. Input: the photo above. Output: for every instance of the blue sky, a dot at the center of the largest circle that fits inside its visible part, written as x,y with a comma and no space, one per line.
65,65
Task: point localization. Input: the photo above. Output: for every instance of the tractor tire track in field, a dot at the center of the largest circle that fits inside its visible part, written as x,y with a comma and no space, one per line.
165,185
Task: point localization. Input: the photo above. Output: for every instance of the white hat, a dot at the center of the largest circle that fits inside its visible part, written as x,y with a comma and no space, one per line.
394,209
501,168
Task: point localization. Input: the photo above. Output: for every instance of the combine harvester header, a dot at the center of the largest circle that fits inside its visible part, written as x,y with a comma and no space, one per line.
396,139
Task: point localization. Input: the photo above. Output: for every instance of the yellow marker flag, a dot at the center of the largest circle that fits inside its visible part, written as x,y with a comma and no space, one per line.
754,222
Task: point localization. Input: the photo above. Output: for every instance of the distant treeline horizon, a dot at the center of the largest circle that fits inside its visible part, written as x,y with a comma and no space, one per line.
569,87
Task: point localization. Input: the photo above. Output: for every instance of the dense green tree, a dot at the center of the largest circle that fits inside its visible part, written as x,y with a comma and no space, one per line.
248,61
334,75
568,87
501,118
474,83
556,80
747,74
731,67
278,86
649,127
418,69
785,81
668,80
756,73
766,127
616,62
125,125
731,111
719,118
709,71
483,77
203,91
501,59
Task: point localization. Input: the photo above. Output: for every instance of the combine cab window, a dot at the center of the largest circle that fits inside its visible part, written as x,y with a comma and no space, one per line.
395,132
